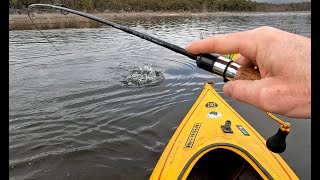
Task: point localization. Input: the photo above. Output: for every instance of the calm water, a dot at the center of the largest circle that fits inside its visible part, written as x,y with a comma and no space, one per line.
71,117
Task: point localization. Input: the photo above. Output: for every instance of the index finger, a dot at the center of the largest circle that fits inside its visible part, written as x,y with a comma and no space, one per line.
240,42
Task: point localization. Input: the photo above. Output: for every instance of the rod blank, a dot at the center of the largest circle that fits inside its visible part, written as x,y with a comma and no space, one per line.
160,42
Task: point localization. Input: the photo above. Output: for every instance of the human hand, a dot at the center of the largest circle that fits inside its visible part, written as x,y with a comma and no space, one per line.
284,62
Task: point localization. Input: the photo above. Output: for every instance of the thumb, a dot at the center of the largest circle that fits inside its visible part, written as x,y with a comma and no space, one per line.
246,91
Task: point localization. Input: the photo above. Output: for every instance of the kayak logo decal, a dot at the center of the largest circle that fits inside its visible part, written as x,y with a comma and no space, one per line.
243,130
211,104
192,136
214,114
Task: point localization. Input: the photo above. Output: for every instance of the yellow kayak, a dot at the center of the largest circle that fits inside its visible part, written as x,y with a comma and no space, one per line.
214,142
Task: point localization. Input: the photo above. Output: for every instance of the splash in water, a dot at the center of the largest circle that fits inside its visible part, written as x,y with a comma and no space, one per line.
143,76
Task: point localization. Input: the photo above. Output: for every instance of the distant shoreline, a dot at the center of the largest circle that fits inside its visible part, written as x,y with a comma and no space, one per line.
57,20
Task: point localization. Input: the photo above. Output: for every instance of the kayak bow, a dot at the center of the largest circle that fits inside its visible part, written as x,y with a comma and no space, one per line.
214,142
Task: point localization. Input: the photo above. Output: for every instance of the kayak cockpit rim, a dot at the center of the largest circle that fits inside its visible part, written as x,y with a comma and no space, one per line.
186,171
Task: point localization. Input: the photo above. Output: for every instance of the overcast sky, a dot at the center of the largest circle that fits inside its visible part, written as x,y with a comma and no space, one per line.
281,1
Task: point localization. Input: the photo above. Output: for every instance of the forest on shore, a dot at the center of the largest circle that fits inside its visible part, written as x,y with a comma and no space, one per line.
19,6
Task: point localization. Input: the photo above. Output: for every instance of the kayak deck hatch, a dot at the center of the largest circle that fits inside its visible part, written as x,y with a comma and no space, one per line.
223,164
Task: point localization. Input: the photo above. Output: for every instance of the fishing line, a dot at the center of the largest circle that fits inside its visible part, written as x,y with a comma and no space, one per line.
41,32
212,62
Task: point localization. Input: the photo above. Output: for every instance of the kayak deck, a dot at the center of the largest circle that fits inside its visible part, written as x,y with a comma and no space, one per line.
214,140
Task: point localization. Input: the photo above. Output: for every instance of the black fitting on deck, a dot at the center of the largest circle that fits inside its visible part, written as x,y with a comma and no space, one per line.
277,142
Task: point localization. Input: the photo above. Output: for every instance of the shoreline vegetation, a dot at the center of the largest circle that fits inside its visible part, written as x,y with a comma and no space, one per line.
58,20
136,9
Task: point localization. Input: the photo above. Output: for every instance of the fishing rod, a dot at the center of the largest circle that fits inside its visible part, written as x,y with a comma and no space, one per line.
214,63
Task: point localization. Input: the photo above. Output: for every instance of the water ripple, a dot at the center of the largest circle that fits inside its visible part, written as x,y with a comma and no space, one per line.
70,115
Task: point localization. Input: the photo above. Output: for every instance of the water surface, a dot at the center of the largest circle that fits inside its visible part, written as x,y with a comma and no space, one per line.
71,116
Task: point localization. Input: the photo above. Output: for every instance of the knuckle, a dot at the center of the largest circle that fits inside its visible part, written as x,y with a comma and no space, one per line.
265,29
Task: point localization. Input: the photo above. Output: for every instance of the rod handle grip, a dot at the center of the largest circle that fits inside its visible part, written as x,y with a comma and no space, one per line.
246,73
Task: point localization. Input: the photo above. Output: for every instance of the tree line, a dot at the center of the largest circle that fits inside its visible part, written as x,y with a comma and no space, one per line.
166,5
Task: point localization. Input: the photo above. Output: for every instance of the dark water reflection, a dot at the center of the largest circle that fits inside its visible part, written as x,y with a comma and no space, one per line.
71,117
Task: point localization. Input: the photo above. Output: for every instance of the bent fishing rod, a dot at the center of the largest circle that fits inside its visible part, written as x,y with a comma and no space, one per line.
214,63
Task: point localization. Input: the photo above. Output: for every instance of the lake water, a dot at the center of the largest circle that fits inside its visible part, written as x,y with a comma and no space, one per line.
71,116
